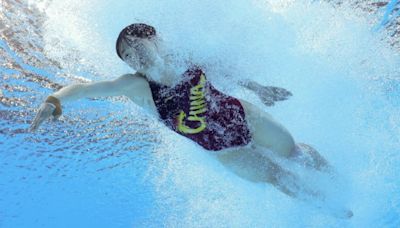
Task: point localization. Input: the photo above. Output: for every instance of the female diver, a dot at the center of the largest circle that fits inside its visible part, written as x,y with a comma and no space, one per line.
240,132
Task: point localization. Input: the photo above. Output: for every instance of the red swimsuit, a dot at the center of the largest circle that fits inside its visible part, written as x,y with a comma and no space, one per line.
195,109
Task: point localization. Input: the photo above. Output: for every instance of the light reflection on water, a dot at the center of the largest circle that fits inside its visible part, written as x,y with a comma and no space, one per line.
99,148
89,144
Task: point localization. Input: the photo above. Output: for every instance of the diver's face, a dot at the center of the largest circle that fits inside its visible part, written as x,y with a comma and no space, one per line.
140,54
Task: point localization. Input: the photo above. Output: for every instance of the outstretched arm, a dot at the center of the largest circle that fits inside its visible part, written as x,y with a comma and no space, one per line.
52,105
75,92
268,94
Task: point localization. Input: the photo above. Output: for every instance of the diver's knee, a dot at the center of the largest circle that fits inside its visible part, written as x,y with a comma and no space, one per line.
310,157
285,144
285,149
281,143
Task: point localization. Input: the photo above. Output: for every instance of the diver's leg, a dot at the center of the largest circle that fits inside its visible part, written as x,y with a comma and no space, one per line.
252,165
308,156
266,132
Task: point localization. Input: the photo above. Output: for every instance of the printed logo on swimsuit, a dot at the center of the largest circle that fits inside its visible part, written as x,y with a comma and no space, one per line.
197,107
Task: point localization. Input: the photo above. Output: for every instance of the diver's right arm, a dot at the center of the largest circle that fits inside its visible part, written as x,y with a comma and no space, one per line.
52,105
268,94
75,92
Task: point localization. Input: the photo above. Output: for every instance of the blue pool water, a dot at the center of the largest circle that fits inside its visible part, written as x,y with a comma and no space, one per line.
107,163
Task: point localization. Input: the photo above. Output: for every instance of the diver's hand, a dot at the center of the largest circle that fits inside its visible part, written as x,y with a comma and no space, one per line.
268,94
51,107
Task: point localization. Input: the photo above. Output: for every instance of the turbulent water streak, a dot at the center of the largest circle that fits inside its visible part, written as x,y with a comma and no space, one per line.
384,15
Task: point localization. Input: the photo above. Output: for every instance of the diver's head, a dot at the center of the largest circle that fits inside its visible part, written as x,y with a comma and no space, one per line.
137,46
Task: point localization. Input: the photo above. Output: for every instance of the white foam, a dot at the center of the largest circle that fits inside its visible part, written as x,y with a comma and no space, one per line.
332,62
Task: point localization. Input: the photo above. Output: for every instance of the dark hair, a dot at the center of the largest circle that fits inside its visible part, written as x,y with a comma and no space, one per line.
136,30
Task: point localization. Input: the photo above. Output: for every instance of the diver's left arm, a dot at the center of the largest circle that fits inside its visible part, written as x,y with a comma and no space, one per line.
268,94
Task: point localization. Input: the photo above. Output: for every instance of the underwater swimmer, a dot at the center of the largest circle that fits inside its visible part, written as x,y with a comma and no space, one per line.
239,131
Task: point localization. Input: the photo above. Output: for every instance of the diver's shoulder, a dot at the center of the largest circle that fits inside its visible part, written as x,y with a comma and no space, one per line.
136,78
136,75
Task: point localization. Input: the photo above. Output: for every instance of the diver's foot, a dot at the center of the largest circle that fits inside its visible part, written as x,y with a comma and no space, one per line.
342,214
309,157
349,214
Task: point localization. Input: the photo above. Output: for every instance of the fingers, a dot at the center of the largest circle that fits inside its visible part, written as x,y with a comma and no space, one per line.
268,102
45,111
35,123
280,94
33,127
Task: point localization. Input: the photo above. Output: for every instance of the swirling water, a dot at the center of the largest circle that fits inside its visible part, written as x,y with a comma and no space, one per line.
106,163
